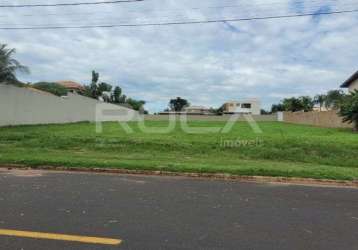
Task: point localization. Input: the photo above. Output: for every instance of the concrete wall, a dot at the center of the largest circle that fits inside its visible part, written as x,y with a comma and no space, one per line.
211,118
328,119
354,85
19,106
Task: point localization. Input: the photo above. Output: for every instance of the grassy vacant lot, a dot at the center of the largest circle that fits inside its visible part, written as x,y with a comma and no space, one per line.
281,150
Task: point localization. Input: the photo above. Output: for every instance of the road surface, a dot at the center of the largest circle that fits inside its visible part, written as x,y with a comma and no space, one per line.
173,213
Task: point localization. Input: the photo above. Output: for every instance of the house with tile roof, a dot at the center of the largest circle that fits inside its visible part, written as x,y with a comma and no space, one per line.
72,86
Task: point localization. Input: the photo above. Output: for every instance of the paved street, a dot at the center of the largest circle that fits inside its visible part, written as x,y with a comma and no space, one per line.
174,213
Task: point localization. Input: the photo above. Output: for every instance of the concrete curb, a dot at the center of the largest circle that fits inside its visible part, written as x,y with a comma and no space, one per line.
213,176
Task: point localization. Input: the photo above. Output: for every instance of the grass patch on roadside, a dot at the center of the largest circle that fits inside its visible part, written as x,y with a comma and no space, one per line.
281,150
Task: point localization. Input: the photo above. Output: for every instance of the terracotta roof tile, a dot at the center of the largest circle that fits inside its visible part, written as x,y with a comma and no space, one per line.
71,85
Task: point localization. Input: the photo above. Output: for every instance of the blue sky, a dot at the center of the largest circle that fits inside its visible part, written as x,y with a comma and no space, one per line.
207,63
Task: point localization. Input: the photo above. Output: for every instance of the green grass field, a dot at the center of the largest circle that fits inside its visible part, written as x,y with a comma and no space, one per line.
281,150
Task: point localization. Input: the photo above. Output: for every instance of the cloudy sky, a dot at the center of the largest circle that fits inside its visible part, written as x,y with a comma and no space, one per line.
206,63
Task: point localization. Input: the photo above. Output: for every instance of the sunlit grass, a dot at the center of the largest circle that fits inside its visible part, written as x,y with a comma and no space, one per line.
281,150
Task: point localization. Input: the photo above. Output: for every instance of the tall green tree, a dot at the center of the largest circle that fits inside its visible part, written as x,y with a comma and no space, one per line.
334,99
277,108
178,104
94,91
292,104
320,100
104,90
104,87
136,105
9,66
123,99
116,97
349,109
95,77
307,103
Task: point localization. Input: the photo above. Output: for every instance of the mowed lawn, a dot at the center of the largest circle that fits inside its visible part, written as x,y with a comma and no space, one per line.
281,150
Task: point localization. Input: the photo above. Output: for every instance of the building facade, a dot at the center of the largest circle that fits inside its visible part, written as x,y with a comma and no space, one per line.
247,106
197,110
351,83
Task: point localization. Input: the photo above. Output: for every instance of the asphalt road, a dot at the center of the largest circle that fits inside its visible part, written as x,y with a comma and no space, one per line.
174,213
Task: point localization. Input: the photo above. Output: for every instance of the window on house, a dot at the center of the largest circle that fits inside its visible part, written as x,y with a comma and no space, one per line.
246,105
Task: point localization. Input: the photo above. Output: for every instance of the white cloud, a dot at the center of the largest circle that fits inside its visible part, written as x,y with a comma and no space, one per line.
205,63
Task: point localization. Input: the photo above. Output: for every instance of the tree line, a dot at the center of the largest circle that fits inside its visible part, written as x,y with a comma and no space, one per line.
106,92
331,100
345,104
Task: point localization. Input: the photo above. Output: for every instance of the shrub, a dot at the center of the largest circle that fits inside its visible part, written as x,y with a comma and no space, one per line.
51,87
349,109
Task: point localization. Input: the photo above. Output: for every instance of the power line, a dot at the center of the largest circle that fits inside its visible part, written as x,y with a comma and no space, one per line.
181,22
166,18
66,4
271,4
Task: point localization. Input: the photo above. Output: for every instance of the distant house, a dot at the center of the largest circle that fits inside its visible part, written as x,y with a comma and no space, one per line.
72,86
351,83
248,106
191,110
197,110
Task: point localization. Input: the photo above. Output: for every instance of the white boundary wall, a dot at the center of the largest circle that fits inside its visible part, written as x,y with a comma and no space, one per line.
20,106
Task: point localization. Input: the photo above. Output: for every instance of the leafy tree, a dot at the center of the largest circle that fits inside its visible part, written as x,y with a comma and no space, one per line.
95,77
277,108
104,90
51,87
215,111
94,86
88,91
93,90
96,90
123,99
334,99
307,103
303,103
178,104
104,87
292,104
320,100
135,104
116,96
9,66
349,109
219,111
265,112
